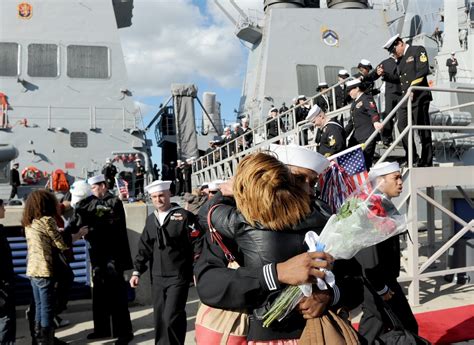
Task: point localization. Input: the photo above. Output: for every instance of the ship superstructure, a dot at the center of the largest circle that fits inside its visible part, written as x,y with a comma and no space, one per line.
66,102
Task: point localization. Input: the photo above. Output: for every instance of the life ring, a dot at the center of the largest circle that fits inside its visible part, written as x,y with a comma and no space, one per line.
31,175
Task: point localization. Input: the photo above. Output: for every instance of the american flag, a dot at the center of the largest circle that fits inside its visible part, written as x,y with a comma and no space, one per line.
122,187
353,162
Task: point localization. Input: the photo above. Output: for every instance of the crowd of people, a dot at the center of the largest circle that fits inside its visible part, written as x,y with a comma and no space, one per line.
262,214
405,66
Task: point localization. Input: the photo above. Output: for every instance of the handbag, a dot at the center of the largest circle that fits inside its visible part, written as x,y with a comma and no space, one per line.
218,326
398,334
330,329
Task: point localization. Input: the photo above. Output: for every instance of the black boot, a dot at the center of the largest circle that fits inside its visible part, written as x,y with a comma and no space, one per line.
35,333
47,336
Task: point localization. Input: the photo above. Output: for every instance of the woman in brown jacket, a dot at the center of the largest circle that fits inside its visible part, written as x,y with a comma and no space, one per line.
42,235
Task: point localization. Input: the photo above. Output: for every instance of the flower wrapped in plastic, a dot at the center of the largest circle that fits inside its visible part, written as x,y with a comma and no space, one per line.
364,220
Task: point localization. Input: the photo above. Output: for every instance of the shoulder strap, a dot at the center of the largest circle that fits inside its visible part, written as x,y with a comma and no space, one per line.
216,237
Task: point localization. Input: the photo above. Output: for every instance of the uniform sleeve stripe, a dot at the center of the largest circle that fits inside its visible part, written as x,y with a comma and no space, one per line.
337,295
267,273
383,291
417,81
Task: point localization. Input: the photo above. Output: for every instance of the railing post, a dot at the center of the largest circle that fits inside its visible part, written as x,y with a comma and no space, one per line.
123,118
90,118
430,223
410,130
49,117
412,246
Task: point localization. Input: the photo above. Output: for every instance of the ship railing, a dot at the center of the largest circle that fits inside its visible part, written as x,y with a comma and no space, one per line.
92,113
222,162
428,178
419,184
286,123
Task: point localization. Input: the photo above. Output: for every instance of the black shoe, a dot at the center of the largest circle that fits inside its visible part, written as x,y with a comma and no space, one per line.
57,341
124,339
97,335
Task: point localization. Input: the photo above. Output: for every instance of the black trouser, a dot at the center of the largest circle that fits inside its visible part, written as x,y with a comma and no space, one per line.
452,76
169,303
421,116
110,301
139,186
14,191
390,103
7,315
64,280
374,321
110,183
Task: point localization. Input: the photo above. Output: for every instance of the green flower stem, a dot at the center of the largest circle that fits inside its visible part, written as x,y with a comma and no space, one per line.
281,304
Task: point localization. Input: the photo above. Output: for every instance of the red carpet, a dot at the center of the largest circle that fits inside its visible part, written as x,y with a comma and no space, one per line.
446,326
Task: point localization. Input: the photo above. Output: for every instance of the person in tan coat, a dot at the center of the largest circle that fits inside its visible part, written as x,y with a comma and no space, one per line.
42,236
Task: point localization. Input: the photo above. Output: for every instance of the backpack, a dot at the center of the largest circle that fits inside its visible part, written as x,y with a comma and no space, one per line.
59,182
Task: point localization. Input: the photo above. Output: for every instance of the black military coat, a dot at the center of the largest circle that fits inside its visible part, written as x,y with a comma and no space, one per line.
107,230
324,102
333,139
414,68
170,248
363,114
391,77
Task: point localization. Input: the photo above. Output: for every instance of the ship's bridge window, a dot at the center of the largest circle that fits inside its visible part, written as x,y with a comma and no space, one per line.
330,73
88,62
308,79
9,57
43,60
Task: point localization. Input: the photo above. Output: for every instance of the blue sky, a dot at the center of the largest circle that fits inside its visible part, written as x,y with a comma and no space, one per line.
191,42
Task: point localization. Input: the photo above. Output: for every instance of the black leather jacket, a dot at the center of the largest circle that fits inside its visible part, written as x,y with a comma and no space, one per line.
255,248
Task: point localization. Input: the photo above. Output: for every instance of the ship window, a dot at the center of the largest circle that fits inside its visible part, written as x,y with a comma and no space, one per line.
88,62
43,60
308,80
9,56
78,139
330,73
4,172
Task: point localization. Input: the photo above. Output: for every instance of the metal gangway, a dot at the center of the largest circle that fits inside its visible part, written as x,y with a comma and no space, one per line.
420,184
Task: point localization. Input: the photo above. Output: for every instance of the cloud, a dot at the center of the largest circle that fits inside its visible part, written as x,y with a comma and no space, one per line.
179,42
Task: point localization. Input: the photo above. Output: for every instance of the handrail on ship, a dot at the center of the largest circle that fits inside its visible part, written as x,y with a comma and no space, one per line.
409,129
203,161
201,168
92,111
416,179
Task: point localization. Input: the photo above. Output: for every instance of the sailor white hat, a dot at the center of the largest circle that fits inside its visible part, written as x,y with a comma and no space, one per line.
352,84
96,179
313,112
301,157
226,129
235,125
213,187
301,97
365,62
273,109
157,186
343,72
383,169
322,84
390,42
138,160
79,191
453,53
245,119
108,160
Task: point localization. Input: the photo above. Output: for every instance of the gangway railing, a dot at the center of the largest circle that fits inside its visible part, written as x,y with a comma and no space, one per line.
428,178
415,180
260,134
89,112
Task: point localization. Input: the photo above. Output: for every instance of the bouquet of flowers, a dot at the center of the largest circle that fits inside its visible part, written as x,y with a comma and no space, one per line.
363,221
